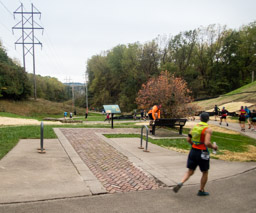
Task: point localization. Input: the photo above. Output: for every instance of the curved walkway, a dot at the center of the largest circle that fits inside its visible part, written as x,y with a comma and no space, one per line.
83,162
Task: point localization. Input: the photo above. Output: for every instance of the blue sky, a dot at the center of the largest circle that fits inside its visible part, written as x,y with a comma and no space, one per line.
76,30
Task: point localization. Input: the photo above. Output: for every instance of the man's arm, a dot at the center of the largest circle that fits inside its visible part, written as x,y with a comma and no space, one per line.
207,140
189,139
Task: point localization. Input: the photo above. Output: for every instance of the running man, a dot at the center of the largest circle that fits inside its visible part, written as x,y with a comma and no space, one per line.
248,116
216,112
253,115
224,114
200,139
242,119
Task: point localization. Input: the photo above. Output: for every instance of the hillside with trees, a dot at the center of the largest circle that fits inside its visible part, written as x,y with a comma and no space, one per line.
16,84
212,60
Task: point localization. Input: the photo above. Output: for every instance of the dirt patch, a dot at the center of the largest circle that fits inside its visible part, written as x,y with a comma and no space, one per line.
223,130
177,150
6,121
190,124
215,128
250,155
233,106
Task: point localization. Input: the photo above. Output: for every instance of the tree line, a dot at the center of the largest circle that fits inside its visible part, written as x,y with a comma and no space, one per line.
16,84
213,60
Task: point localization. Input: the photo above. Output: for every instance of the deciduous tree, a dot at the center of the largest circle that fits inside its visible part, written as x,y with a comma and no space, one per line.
169,91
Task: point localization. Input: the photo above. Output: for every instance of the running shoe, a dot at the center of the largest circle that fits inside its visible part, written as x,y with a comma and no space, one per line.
202,193
177,187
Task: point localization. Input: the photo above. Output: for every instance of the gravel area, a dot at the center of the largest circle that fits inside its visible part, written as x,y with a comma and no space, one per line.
6,121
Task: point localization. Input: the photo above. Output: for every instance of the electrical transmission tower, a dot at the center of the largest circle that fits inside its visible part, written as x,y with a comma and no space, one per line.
28,25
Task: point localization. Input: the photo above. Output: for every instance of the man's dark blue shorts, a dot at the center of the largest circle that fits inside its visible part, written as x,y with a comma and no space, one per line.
194,160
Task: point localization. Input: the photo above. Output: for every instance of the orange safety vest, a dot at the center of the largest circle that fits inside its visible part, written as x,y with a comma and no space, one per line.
200,144
155,110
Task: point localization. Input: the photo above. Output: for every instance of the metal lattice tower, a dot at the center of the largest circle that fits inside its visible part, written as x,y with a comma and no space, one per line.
28,25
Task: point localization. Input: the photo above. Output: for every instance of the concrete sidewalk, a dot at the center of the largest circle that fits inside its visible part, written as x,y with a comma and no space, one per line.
235,127
27,175
61,173
169,166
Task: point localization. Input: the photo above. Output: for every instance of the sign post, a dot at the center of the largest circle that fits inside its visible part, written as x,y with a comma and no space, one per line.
112,109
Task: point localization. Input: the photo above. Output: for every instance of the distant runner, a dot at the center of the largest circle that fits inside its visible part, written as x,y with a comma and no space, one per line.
253,115
248,116
224,114
242,119
216,111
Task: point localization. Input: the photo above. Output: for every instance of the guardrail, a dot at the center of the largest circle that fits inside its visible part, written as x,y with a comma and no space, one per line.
141,138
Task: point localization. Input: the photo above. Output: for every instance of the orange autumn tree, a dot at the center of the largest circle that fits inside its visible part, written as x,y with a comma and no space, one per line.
171,92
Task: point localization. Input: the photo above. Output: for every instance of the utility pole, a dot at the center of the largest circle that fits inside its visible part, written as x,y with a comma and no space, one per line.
68,80
86,90
73,98
28,25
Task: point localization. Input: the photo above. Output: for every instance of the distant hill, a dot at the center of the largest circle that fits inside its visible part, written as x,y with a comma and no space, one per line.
243,96
33,107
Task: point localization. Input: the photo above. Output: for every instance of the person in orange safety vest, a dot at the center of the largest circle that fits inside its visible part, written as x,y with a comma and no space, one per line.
154,114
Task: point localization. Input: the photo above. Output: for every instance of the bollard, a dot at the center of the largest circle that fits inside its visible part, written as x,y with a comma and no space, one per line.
41,149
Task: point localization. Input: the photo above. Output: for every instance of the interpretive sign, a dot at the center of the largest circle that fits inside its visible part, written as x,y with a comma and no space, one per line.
112,109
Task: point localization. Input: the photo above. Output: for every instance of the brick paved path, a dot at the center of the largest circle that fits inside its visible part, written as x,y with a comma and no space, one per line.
113,169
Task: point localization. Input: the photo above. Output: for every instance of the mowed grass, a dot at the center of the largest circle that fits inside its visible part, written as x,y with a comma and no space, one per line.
38,108
92,116
35,116
176,143
9,136
225,142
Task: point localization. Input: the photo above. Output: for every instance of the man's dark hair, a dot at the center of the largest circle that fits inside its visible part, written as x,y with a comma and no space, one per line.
204,117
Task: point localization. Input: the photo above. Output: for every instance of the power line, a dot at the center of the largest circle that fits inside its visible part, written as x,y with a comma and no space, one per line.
5,8
58,61
5,27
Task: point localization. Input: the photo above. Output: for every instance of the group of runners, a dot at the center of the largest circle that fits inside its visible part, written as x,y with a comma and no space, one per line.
250,117
245,115
66,115
223,114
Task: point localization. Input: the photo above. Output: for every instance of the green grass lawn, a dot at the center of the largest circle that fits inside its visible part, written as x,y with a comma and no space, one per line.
9,137
233,143
247,88
91,117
